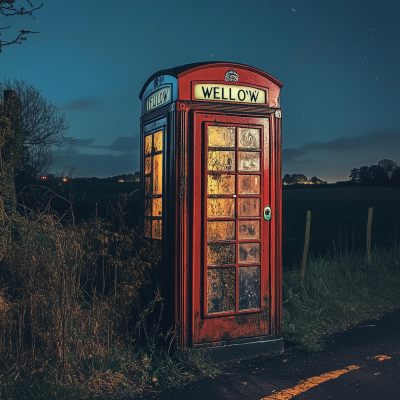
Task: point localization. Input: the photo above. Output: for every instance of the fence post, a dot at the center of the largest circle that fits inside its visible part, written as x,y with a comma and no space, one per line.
306,242
370,209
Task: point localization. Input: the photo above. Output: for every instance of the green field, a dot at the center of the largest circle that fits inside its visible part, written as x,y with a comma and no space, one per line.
331,220
335,223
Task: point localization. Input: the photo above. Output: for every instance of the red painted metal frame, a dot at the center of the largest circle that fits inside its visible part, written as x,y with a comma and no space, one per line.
225,326
214,73
189,222
182,276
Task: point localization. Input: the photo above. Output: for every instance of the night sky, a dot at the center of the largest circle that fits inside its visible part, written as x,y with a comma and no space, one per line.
339,62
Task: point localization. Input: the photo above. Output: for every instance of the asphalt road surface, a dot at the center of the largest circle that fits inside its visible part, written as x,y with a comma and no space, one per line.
362,363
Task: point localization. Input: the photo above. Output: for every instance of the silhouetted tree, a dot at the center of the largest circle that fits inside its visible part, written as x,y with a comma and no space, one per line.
395,178
287,179
374,173
43,128
355,175
377,174
299,178
7,9
388,165
364,175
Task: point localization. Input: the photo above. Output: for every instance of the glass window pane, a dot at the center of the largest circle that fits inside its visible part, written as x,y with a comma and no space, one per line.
147,185
249,184
249,229
221,160
157,174
249,252
148,143
221,184
158,141
157,231
249,288
157,207
147,165
249,161
221,136
249,138
147,227
147,207
249,207
220,254
221,290
220,230
220,208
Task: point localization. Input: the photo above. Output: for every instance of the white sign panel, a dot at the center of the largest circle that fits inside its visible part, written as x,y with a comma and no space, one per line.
158,98
234,93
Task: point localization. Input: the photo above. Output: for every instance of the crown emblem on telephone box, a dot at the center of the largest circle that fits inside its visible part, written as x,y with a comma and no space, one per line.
231,76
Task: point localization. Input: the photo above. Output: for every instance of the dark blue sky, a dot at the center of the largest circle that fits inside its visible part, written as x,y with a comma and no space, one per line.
339,61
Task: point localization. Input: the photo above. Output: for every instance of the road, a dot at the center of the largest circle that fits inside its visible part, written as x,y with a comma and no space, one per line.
362,363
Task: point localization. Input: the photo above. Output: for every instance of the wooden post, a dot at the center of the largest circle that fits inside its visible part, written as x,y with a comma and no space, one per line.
370,209
306,242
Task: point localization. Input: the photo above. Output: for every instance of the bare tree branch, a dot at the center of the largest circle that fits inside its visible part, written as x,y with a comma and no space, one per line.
42,124
5,7
44,128
10,7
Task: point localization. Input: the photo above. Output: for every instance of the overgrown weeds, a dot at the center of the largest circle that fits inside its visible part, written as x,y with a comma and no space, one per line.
73,298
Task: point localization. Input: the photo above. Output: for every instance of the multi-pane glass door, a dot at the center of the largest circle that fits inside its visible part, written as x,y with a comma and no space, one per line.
233,189
153,175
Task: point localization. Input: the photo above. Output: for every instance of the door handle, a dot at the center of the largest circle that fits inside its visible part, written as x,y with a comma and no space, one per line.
267,213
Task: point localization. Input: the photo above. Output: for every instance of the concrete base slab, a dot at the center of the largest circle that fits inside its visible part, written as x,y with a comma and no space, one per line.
240,351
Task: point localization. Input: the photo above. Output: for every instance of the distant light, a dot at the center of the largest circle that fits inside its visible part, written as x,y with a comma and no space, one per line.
64,179
120,180
44,177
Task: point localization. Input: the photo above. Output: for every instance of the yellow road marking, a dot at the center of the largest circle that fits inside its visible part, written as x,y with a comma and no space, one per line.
303,386
379,358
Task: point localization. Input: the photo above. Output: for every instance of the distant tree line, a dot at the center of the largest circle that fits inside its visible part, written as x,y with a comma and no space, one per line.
296,179
386,171
124,178
117,178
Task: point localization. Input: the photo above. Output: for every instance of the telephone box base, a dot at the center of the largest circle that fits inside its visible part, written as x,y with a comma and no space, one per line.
239,351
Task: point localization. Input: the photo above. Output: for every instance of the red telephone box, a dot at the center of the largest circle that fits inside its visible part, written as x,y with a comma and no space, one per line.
211,185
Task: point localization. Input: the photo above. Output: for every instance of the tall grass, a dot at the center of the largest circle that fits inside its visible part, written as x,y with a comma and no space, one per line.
338,291
73,297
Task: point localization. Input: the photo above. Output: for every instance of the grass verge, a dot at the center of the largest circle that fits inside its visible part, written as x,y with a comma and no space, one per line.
73,298
339,291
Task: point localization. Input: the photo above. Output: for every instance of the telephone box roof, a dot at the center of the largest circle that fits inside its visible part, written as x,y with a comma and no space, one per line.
181,69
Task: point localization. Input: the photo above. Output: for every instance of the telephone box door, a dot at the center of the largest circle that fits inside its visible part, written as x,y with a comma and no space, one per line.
232,200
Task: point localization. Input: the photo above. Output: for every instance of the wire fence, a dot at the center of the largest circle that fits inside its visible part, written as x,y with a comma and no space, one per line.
337,233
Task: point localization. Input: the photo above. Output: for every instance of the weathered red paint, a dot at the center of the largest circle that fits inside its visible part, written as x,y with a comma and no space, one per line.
188,235
196,327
